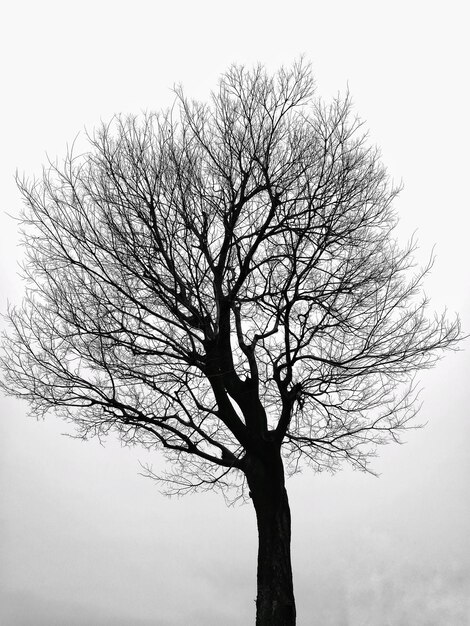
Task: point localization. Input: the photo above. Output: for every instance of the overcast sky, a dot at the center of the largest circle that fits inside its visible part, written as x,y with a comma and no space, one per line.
85,540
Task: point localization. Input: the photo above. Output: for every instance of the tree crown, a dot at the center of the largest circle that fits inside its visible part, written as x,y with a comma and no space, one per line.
222,278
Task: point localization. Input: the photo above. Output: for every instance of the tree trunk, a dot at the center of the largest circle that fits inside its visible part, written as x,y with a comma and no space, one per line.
275,604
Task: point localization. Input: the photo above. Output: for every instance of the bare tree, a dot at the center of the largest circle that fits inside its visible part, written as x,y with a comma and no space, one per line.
221,282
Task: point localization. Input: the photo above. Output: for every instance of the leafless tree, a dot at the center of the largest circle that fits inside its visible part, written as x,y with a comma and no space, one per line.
221,282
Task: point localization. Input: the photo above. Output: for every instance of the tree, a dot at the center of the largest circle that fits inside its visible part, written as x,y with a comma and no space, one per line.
221,282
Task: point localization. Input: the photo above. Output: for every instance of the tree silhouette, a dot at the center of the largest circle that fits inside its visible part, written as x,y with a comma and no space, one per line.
221,282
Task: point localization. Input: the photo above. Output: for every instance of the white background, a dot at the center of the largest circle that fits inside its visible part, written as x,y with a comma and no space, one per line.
84,540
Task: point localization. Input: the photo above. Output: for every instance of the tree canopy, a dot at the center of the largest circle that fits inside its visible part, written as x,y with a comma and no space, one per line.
220,277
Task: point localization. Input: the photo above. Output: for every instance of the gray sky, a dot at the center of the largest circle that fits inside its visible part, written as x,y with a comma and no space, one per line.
85,540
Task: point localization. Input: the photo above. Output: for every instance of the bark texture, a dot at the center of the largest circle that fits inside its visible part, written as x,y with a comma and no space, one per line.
275,603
